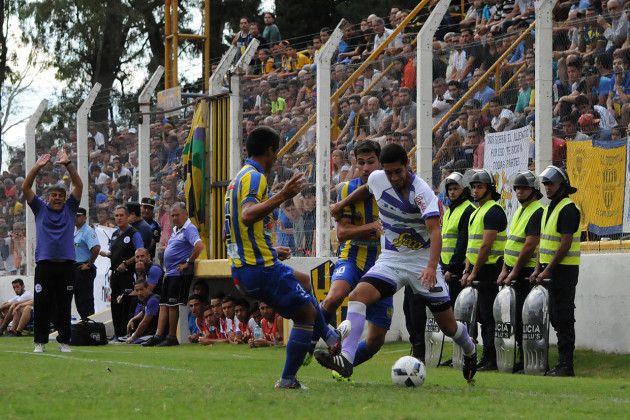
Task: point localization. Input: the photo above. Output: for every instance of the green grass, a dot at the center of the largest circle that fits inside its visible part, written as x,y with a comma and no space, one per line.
236,382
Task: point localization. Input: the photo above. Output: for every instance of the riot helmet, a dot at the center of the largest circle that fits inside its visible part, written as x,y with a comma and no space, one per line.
483,176
556,175
456,178
526,179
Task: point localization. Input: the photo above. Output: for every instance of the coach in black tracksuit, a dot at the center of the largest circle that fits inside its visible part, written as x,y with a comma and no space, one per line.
122,250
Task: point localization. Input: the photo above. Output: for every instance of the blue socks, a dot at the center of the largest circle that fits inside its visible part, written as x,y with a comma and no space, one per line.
297,346
363,354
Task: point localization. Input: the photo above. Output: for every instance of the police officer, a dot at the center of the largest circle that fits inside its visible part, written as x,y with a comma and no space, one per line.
521,247
147,205
559,259
484,256
86,247
122,247
455,230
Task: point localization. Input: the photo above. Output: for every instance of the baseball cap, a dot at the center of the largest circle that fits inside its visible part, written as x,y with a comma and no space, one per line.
100,198
132,130
587,119
82,211
147,201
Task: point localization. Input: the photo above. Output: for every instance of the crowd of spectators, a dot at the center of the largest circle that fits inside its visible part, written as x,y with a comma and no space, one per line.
591,89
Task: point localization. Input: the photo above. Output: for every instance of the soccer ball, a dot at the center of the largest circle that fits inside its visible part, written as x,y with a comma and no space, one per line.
408,371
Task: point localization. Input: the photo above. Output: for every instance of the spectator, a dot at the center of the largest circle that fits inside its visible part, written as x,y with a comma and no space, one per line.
103,217
243,37
287,216
99,138
348,45
271,32
183,248
502,118
7,309
407,112
254,33
619,95
615,25
292,62
484,92
144,322
618,132
589,125
147,206
607,121
18,245
456,56
442,101
124,242
217,311
305,205
474,55
381,33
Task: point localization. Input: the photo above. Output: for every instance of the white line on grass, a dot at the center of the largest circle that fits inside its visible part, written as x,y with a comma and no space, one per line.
103,361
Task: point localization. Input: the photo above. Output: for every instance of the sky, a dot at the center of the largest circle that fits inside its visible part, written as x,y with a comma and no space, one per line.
44,85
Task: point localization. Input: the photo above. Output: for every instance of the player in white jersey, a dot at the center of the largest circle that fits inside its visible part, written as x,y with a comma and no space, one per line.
410,251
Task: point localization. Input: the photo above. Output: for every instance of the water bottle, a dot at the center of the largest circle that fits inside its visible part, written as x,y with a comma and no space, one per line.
258,332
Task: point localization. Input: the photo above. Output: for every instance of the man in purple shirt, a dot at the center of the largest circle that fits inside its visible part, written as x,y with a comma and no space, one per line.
184,246
54,252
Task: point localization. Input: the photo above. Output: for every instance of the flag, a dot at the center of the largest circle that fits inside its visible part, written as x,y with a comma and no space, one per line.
194,160
598,170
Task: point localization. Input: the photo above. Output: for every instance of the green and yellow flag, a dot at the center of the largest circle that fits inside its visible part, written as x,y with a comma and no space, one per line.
194,159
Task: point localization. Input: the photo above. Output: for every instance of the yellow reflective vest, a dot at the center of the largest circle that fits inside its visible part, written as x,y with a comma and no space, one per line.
450,230
475,235
550,237
517,236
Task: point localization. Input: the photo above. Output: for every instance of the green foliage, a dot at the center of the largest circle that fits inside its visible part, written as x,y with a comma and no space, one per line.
234,381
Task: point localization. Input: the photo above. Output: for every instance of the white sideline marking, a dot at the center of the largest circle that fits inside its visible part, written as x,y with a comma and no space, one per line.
103,361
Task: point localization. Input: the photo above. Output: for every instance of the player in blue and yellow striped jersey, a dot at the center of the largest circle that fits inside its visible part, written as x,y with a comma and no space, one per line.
359,229
256,269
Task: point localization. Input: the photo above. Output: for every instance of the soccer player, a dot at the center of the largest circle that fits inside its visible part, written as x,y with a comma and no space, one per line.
358,231
410,245
256,269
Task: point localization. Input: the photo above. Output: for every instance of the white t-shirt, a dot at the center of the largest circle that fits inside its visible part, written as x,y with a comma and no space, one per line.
21,298
506,113
406,235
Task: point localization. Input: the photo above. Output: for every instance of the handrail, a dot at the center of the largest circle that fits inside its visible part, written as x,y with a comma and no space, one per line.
506,85
474,87
354,76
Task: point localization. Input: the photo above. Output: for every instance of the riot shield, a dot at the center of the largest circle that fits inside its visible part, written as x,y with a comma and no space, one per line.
504,310
536,331
433,341
465,310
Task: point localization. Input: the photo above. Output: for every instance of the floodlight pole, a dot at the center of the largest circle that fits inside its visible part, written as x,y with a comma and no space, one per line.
144,133
30,151
322,150
236,107
544,83
424,94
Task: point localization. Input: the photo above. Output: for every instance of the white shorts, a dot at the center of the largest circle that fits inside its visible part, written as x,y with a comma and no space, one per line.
399,274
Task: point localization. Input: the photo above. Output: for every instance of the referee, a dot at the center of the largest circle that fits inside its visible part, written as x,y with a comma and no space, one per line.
54,252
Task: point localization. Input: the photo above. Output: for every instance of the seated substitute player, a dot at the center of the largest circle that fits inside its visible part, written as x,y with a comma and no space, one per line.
410,250
231,321
213,332
7,309
256,269
144,323
196,305
246,323
272,328
358,229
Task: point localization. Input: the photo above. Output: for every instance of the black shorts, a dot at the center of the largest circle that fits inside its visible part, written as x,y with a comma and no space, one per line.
175,290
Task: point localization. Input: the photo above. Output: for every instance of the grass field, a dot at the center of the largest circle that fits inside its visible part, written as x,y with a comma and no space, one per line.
236,382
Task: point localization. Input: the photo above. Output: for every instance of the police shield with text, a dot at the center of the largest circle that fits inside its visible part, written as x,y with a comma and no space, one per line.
559,259
484,256
519,262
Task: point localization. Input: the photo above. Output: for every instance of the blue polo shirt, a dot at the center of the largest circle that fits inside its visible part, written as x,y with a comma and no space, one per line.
154,275
55,230
84,240
180,247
